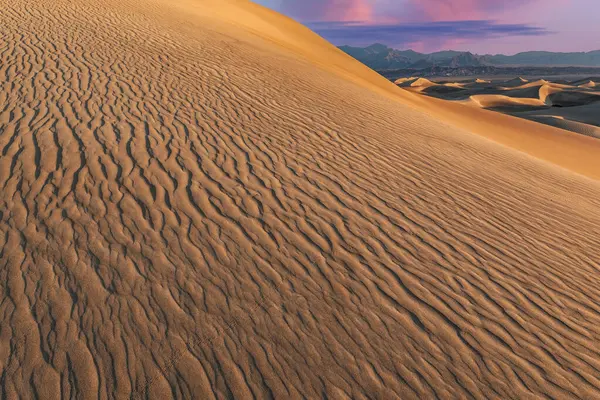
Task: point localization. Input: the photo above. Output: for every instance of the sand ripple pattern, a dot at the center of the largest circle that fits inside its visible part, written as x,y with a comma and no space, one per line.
185,213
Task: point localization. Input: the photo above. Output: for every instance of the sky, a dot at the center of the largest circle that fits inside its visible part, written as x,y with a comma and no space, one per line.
479,26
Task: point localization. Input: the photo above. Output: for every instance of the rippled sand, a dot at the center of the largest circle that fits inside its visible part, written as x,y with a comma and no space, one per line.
201,199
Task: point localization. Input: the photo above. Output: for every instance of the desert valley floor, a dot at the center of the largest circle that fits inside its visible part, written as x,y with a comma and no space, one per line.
203,199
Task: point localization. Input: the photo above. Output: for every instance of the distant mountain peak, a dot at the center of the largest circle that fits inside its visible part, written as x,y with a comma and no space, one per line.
377,46
381,57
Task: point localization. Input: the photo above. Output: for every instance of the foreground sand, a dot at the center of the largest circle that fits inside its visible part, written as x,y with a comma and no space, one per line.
201,199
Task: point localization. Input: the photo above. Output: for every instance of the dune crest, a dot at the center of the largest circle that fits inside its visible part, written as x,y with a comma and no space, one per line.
203,199
590,84
516,82
496,100
404,80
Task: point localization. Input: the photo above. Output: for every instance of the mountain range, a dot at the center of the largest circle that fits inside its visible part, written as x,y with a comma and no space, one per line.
381,57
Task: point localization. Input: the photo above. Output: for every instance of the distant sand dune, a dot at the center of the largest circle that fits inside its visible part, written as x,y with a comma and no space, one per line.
572,98
404,80
494,101
415,84
573,106
587,114
561,122
589,82
541,83
201,199
517,82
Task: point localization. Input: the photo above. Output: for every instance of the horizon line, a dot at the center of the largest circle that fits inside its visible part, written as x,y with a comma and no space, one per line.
468,51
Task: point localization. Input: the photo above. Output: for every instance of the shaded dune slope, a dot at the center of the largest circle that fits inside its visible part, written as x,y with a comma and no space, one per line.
194,205
561,122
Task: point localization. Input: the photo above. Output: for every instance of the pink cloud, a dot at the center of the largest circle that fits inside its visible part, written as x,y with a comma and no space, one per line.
458,10
357,10
332,10
389,11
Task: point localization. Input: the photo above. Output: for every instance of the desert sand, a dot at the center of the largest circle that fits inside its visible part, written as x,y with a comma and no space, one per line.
574,106
203,199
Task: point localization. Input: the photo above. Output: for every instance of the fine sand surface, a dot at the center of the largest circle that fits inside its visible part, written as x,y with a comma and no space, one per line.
202,199
574,106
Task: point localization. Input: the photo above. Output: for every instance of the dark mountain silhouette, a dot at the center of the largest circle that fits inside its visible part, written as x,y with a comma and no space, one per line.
381,57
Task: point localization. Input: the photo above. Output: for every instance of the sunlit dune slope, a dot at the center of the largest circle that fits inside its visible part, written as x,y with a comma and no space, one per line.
202,199
495,100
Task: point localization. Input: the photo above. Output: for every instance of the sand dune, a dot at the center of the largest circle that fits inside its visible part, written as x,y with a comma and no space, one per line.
562,122
516,82
422,85
537,83
404,80
540,89
202,199
541,83
497,101
590,82
587,114
416,84
572,106
572,98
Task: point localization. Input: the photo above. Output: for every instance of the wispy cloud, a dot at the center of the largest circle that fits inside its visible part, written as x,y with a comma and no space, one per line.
507,26
402,10
329,10
460,10
399,35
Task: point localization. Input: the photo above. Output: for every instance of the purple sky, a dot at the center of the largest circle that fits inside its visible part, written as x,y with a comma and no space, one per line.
480,26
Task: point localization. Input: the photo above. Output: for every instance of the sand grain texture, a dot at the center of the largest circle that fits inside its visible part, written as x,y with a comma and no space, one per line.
201,199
